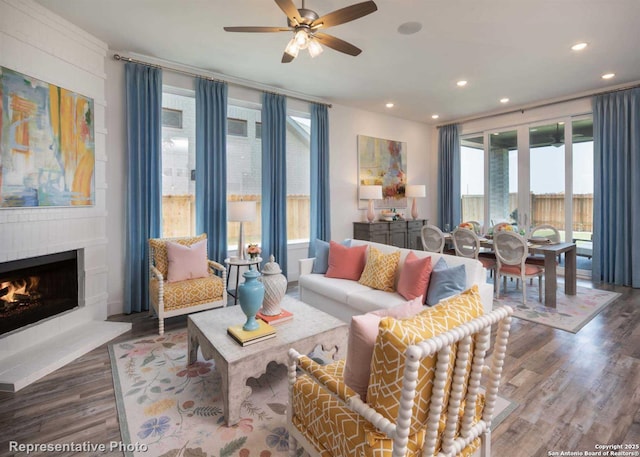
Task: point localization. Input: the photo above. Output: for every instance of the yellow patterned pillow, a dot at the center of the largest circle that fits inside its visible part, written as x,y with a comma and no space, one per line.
159,245
388,361
380,270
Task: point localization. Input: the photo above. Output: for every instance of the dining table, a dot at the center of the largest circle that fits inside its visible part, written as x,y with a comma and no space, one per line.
550,251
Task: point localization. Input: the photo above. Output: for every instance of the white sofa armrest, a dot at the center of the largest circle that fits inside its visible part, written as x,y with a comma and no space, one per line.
306,265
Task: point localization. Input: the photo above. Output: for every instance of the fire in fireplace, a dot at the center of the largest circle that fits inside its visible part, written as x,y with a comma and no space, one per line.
37,288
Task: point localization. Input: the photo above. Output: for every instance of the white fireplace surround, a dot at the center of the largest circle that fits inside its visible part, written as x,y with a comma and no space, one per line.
40,44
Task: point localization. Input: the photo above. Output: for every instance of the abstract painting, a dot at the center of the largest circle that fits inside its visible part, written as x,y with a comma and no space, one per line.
47,149
383,163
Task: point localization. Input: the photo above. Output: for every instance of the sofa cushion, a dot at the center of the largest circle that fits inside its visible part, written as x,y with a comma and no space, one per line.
321,260
333,288
344,262
388,361
414,276
365,301
380,270
187,262
184,294
445,282
362,336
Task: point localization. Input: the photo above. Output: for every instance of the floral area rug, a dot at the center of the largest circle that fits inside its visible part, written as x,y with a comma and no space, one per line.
572,312
169,409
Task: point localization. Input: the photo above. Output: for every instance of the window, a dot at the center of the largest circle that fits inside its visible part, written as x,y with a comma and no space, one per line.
236,127
178,158
298,185
472,178
259,130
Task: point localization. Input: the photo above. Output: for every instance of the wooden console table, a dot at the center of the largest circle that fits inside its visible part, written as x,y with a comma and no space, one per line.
402,234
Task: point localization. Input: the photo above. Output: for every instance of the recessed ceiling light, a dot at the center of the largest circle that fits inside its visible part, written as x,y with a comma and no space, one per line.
608,75
579,46
561,123
462,83
435,116
389,105
409,28
504,100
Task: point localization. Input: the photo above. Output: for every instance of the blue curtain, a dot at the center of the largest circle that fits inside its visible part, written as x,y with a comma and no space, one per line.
274,178
449,206
143,198
211,165
320,223
616,196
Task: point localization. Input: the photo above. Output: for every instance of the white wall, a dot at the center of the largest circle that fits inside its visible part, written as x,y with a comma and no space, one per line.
345,124
38,43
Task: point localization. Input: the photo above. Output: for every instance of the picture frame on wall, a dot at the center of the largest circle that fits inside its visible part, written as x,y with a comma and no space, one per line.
383,162
47,144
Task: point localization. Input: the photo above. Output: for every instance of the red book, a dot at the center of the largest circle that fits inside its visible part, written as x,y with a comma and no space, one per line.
284,316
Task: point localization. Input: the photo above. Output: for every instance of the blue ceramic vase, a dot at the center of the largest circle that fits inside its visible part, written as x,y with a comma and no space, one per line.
250,295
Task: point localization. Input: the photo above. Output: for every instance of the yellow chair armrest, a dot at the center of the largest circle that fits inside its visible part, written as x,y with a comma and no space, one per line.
325,377
155,273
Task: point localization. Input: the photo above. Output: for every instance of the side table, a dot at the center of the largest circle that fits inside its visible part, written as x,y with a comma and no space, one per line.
237,263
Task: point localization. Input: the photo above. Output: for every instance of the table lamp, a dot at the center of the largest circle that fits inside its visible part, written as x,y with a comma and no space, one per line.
371,193
242,211
415,191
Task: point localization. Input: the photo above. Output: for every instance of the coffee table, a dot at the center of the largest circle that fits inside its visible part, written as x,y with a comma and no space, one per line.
309,328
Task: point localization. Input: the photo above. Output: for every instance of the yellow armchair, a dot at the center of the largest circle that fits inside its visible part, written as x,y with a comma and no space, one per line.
437,398
170,299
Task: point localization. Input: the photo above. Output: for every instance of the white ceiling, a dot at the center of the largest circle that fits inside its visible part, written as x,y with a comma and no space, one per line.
505,48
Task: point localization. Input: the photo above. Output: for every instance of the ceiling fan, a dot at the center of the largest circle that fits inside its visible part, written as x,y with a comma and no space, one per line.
306,26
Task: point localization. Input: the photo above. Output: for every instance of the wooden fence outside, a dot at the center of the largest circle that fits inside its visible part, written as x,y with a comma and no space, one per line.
178,213
545,209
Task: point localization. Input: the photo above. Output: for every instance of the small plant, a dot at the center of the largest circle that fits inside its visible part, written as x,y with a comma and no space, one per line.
253,250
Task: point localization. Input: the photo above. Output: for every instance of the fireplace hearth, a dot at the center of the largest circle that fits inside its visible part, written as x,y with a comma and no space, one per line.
37,288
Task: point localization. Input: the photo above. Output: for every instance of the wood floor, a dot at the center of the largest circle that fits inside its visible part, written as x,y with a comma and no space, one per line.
573,391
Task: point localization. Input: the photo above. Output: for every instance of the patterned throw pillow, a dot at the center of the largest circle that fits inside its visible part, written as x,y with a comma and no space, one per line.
380,270
388,361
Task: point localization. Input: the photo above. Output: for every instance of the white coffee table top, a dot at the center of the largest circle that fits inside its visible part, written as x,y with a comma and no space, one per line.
307,321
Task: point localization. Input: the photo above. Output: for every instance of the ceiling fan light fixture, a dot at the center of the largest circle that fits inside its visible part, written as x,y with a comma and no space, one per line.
292,48
315,49
302,38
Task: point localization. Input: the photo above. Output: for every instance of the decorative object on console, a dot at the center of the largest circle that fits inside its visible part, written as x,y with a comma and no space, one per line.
39,167
415,191
242,211
250,294
370,193
383,163
275,287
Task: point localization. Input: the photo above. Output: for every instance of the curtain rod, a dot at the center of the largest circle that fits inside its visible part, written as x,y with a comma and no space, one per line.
542,105
210,78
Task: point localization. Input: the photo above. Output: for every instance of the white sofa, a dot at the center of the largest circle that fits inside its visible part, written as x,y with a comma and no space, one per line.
344,298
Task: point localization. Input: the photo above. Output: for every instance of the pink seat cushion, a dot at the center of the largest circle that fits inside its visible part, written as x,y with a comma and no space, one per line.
362,338
529,270
346,263
487,263
187,262
414,276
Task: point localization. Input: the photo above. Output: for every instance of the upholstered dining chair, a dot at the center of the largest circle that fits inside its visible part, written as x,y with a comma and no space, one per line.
425,395
467,244
181,278
511,254
432,238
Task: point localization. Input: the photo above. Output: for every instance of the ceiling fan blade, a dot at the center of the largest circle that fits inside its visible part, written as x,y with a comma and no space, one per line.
290,10
286,57
258,29
337,44
346,14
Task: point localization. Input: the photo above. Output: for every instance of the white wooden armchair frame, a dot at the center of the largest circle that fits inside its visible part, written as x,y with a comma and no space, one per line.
214,269
440,345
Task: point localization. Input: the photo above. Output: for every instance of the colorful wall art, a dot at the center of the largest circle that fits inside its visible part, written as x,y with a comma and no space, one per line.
383,163
47,150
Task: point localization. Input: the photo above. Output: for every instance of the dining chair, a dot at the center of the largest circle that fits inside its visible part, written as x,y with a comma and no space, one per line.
511,255
475,224
432,239
543,231
467,244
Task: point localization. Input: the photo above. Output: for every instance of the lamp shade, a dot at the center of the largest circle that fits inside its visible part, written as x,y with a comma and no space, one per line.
242,211
416,190
370,192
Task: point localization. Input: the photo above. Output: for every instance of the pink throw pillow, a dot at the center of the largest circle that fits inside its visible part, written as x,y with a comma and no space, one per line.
346,263
414,276
362,339
187,262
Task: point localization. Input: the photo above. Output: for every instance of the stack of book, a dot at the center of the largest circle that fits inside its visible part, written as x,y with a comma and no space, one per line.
245,338
284,316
